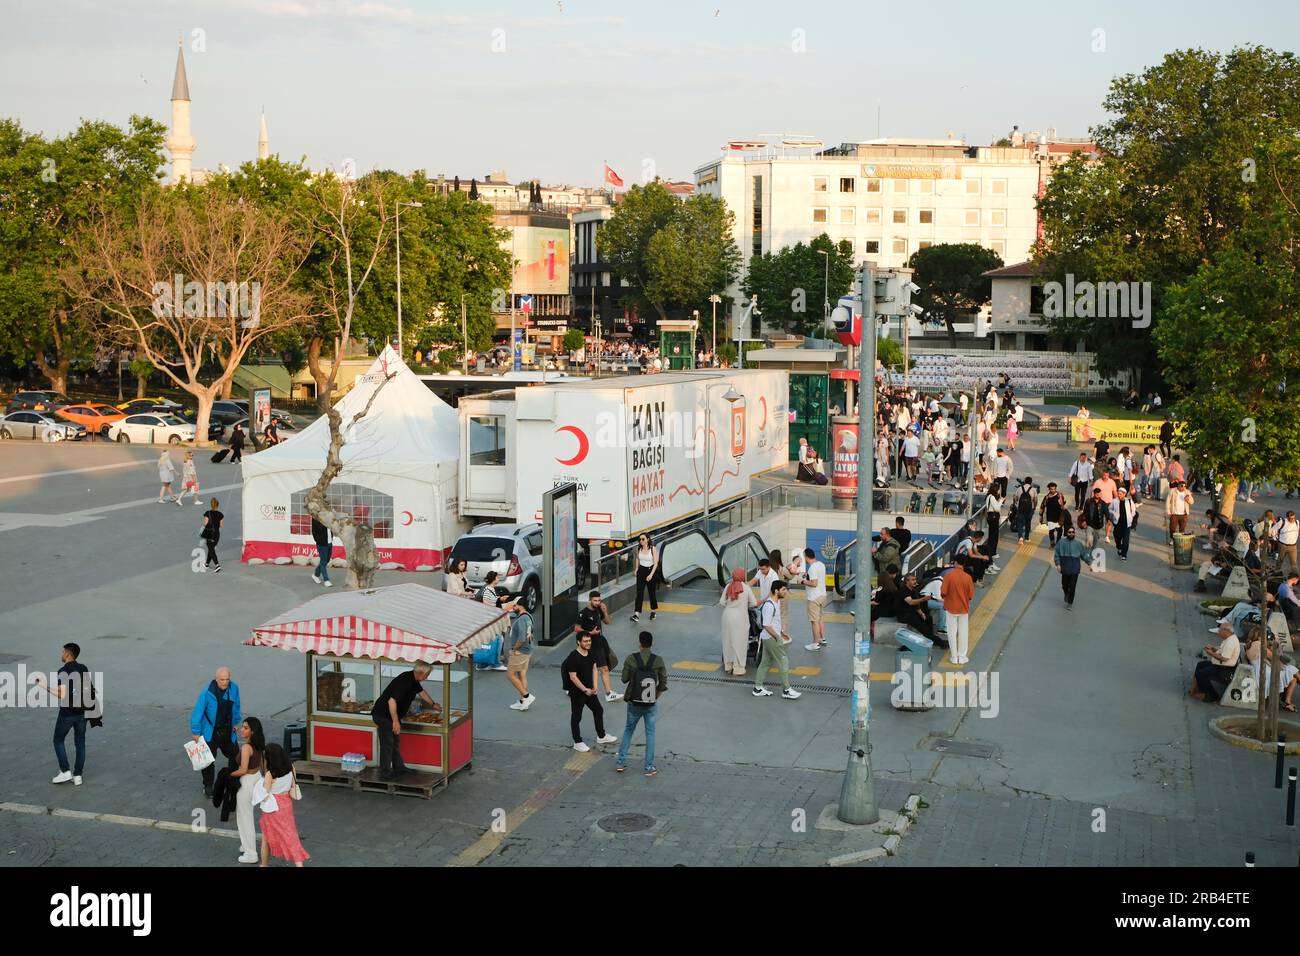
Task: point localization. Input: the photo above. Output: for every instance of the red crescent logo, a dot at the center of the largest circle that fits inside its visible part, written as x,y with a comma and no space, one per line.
762,400
584,445
409,517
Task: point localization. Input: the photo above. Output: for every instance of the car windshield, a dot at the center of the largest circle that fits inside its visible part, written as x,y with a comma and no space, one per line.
483,548
171,420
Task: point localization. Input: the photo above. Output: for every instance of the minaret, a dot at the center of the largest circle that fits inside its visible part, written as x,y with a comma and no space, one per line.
263,144
180,143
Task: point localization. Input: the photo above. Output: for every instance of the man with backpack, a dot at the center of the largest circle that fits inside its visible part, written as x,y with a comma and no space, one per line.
519,648
772,644
646,678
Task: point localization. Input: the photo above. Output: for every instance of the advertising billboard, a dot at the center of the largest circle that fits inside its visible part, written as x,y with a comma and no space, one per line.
543,260
261,407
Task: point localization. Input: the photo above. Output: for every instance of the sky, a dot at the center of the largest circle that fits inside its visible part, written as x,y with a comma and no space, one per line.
551,89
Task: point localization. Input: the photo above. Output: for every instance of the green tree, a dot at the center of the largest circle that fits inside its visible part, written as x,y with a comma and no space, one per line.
574,340
673,253
47,188
952,280
790,284
1178,169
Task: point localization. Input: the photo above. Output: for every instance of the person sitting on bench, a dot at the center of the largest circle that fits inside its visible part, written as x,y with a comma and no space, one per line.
1223,560
914,610
1213,676
1286,599
886,599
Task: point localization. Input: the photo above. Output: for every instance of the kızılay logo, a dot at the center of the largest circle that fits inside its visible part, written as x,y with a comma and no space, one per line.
584,445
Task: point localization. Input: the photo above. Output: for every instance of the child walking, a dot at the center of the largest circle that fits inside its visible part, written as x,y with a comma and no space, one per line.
189,480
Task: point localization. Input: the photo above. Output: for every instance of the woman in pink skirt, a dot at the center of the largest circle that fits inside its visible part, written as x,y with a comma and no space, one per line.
279,829
1013,431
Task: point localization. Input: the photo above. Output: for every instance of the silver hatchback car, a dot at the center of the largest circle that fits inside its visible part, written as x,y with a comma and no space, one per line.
513,551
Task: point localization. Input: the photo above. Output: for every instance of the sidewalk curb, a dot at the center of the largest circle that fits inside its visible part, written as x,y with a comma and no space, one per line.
893,834
168,826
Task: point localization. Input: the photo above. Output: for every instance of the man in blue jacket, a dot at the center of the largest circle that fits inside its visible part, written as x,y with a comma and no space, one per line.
216,719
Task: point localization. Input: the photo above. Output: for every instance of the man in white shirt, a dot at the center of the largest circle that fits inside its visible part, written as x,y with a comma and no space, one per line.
772,642
1002,466
815,590
1081,477
1020,413
1287,532
764,579
1219,668
911,454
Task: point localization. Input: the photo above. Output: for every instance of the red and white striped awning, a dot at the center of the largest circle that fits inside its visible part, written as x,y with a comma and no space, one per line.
404,622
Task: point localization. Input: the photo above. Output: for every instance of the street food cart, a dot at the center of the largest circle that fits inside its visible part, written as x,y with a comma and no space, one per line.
358,641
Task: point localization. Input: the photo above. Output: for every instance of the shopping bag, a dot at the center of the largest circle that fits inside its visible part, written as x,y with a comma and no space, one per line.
199,754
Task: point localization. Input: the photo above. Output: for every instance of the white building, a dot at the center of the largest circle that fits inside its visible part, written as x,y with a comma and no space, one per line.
888,197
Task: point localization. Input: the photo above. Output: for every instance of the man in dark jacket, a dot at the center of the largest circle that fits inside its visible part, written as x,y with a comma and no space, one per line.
215,718
324,550
646,679
1094,515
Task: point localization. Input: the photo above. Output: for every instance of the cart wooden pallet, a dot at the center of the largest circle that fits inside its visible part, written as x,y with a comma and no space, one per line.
410,784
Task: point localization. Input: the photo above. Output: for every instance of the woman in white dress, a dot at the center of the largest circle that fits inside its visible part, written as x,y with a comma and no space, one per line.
166,475
736,601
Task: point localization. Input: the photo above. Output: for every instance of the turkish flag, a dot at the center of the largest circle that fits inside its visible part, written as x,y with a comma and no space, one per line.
612,177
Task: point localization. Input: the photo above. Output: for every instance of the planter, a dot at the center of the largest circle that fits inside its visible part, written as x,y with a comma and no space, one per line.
1229,729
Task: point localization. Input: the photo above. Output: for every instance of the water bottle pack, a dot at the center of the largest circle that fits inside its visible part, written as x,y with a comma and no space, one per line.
353,762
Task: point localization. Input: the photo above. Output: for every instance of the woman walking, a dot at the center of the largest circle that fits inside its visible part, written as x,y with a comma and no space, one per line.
1013,432
647,576
236,444
211,533
252,747
993,519
736,601
166,475
279,828
189,480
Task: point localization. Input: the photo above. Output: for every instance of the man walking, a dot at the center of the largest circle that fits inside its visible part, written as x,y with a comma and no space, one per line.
772,644
324,539
1053,511
647,680
815,590
388,712
1001,473
1166,438
1287,532
1080,478
579,680
1123,515
519,644
215,718
76,695
1068,559
957,592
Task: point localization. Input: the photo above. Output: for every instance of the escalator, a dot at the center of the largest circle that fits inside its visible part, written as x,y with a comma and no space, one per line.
692,554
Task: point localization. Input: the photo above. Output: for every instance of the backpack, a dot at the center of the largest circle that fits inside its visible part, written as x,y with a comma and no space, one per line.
644,686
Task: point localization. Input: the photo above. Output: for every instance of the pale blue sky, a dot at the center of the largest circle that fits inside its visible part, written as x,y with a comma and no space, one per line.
410,84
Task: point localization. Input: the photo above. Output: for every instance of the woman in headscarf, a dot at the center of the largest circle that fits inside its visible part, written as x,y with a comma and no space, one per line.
736,601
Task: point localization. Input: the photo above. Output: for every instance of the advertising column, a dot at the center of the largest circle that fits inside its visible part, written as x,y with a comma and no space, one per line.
844,463
559,604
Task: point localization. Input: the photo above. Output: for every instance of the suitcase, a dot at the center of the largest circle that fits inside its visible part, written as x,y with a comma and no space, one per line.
220,456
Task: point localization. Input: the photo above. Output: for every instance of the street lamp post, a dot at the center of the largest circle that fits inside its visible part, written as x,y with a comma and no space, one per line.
397,216
715,299
731,396
695,314
464,338
826,287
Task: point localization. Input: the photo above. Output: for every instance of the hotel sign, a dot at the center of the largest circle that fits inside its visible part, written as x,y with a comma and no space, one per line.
944,171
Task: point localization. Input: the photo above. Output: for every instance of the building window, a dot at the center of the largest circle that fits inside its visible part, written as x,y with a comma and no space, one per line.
846,184
924,244
900,216
997,187
819,213
900,185
756,243
1036,299
900,247
972,187
365,505
873,185
970,217
871,217
926,186
927,217
997,217
871,247
846,215
999,246
819,184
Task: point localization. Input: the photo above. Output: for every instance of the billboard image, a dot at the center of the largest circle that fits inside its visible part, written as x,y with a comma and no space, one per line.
261,411
543,260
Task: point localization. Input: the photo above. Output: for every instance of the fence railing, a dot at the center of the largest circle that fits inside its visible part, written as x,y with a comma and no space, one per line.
919,558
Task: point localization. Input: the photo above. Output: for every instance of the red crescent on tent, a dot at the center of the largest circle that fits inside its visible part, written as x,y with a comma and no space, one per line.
409,517
762,400
584,445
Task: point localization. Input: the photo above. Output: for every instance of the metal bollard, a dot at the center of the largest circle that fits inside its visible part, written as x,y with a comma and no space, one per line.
1250,859
1290,799
1281,754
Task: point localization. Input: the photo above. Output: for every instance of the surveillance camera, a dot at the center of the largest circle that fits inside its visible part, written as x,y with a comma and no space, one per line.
912,287
915,309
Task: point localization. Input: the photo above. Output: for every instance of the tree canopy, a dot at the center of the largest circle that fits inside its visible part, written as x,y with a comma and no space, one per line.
952,280
790,284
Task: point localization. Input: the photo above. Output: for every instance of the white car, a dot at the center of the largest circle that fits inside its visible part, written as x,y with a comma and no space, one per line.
151,429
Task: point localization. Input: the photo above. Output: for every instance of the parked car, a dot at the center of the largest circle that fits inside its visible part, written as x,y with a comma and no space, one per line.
228,412
513,551
152,400
150,429
37,401
41,426
139,406
215,429
95,416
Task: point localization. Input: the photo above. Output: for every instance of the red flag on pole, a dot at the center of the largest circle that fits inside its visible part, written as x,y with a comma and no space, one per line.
612,177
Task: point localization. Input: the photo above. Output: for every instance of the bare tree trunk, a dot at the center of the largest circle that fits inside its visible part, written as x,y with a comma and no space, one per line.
1228,500
57,374
141,385
952,331
318,374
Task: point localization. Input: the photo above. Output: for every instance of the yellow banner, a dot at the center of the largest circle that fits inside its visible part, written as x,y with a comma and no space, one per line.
1119,430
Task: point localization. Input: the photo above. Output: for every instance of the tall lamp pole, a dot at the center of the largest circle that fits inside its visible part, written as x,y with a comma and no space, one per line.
826,287
857,794
715,299
464,338
730,396
397,216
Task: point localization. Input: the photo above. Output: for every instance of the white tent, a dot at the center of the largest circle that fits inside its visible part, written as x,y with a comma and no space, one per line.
399,475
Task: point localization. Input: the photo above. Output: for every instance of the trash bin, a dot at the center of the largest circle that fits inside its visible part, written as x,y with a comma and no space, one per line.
295,741
911,670
1184,547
